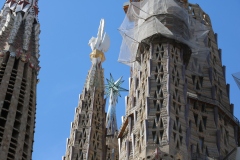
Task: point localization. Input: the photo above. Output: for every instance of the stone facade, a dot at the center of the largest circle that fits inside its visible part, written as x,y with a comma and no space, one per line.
112,147
172,111
18,108
88,130
19,53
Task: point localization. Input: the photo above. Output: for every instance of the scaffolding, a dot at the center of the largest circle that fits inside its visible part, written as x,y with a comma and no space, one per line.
147,18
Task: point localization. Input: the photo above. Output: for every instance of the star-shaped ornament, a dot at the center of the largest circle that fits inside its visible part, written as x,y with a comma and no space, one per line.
115,87
23,3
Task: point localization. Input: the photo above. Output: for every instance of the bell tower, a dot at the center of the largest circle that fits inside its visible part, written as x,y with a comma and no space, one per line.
19,67
178,105
88,130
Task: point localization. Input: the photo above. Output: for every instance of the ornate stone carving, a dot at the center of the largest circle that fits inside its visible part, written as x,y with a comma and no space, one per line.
27,31
36,39
18,19
4,17
15,27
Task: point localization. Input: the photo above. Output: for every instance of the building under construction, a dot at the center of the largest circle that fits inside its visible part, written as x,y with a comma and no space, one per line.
178,105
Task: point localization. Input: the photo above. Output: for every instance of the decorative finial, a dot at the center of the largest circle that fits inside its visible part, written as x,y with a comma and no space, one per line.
102,41
114,87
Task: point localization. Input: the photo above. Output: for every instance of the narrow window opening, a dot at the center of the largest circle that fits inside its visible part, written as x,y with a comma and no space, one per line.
196,118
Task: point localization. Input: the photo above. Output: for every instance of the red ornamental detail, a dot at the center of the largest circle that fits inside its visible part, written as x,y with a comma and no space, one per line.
28,57
157,153
36,10
31,65
1,54
23,3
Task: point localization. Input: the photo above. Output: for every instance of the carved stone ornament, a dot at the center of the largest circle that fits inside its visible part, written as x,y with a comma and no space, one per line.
179,156
24,57
97,54
16,25
19,30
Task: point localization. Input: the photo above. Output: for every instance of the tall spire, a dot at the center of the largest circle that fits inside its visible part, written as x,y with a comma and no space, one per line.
19,66
178,105
113,90
99,46
87,138
19,20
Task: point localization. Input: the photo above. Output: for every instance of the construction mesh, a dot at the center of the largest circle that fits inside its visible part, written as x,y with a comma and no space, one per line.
147,18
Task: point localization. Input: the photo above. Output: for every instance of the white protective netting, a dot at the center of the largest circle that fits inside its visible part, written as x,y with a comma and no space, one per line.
236,77
145,19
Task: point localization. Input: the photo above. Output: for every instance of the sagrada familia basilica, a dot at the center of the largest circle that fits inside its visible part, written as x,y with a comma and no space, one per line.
177,107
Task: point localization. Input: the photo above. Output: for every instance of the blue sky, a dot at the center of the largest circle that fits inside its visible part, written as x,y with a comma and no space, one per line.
66,27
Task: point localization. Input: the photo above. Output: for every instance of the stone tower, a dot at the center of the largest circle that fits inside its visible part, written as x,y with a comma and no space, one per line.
178,105
88,131
19,66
